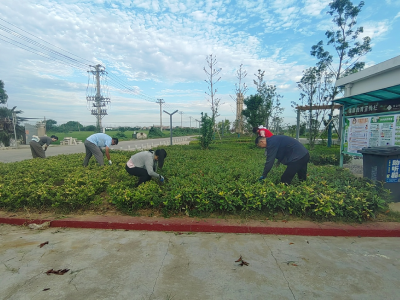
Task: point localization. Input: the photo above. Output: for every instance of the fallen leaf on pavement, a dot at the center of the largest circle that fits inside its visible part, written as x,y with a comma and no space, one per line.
57,272
294,265
46,289
42,244
244,263
291,243
240,259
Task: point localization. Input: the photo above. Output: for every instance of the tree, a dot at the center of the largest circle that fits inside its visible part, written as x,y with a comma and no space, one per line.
291,130
315,88
271,107
223,126
345,42
214,101
3,93
206,131
6,122
303,126
90,128
254,112
73,125
50,124
155,132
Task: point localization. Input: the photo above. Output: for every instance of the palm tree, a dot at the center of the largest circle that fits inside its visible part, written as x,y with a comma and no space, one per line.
9,125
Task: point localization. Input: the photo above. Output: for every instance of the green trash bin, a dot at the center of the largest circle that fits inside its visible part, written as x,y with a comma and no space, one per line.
383,164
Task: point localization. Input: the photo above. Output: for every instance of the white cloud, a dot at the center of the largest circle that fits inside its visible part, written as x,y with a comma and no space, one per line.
375,30
159,47
315,7
393,2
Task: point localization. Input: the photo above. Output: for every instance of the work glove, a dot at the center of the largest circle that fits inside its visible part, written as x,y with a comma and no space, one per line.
110,162
261,178
162,179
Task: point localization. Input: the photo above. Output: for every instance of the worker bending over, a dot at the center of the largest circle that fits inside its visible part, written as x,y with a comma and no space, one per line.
287,151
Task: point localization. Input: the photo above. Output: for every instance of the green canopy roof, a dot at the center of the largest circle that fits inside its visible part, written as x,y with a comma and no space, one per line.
389,93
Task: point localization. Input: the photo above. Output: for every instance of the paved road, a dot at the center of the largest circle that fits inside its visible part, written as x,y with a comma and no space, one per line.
24,152
120,265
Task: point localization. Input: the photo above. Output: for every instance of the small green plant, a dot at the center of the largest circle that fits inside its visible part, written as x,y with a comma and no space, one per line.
155,132
206,131
121,135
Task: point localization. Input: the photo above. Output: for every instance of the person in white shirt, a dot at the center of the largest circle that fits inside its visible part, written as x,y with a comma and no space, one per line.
93,146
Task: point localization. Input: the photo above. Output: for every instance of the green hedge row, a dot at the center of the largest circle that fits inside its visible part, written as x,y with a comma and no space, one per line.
222,179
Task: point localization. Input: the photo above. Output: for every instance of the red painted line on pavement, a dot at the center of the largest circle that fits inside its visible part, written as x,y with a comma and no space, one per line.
185,226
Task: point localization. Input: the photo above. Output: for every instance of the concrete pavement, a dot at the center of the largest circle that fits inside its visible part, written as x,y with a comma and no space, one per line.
24,152
106,264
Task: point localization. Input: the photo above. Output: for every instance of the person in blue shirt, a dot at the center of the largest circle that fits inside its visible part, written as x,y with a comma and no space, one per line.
287,151
93,146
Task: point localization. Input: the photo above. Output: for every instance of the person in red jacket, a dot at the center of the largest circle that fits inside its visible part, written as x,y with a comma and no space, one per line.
262,131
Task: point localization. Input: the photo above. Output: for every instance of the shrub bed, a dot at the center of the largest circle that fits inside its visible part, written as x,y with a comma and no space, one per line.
222,179
322,155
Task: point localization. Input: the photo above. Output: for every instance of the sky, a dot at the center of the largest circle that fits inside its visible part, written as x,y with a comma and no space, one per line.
155,49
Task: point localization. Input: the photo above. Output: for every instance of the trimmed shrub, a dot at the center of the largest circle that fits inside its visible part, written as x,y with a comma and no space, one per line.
222,179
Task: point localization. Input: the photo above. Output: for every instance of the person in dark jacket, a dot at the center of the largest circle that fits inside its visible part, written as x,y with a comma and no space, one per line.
37,143
287,151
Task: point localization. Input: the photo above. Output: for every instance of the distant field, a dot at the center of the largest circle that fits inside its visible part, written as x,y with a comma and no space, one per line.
83,135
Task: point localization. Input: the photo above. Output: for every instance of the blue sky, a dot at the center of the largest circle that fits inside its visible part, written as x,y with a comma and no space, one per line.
158,48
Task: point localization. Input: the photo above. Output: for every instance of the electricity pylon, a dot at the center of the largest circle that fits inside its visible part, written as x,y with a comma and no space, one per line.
98,104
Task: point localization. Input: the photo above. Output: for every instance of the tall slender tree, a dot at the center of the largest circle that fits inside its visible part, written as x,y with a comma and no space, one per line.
271,107
345,41
212,72
315,87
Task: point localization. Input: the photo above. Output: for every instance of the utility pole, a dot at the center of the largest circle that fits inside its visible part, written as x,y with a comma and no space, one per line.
98,102
181,113
160,101
170,124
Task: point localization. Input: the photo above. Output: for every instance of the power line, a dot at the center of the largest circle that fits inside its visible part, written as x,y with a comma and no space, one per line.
44,40
37,52
40,46
128,90
51,54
